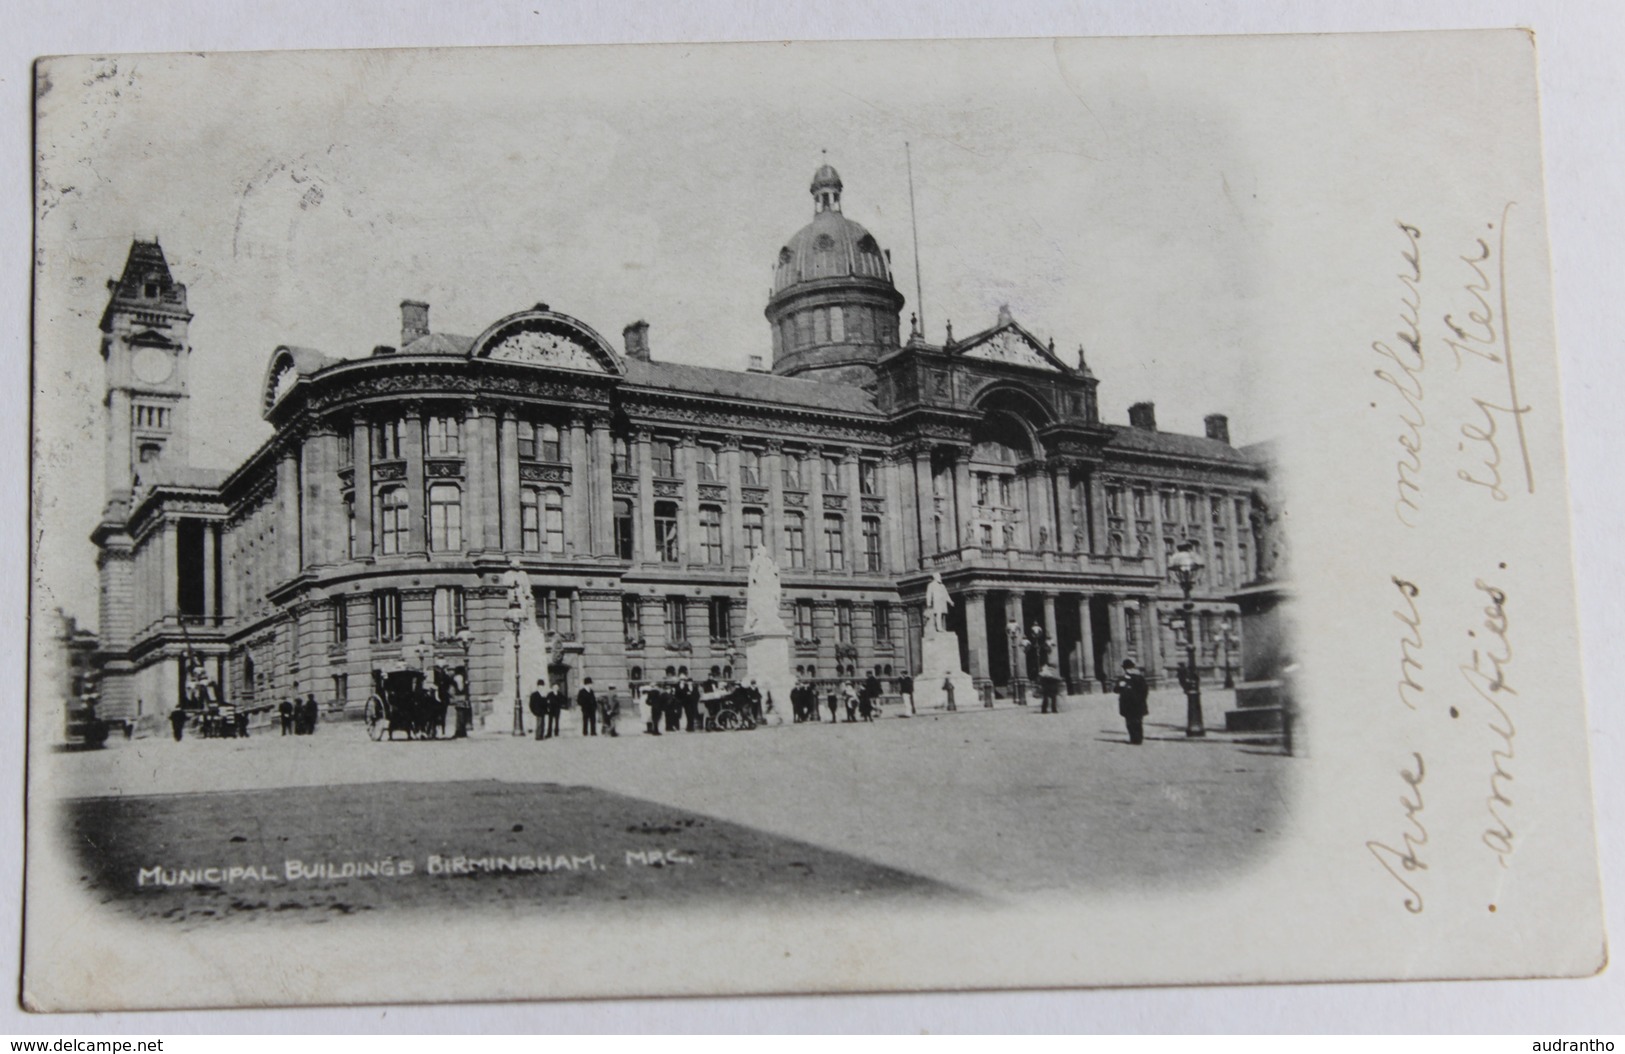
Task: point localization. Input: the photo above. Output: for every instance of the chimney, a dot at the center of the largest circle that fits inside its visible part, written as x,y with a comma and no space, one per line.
414,321
637,340
755,365
1143,415
1218,427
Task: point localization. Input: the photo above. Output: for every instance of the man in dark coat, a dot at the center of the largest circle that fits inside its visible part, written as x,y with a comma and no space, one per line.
587,699
177,723
538,710
284,710
312,714
1132,691
1049,686
556,702
906,688
871,696
654,697
691,705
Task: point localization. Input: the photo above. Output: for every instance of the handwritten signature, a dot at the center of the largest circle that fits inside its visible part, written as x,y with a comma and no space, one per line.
1409,363
1484,336
1400,862
1487,674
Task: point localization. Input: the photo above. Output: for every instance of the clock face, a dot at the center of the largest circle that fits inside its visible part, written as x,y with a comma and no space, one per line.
152,366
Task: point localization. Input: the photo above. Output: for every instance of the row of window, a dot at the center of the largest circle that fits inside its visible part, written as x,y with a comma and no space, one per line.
668,547
835,324
1174,503
149,416
443,437
720,616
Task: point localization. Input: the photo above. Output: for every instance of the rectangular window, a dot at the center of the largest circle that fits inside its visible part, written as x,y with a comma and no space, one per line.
450,612
1170,511
555,610
706,463
621,454
388,439
346,449
834,543
792,471
1216,511
871,543
832,474
530,520
624,528
443,437
553,520
804,620
676,620
1004,491
666,540
1114,501
1190,509
1221,570
795,539
711,533
1139,504
341,688
445,518
987,536
341,623
869,477
547,443
632,618
755,532
349,524
386,615
721,618
1241,515
882,622
981,488
392,520
843,622
664,453
750,467
527,440
1244,557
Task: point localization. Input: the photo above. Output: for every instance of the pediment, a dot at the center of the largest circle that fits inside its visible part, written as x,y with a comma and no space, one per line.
1011,346
151,338
546,339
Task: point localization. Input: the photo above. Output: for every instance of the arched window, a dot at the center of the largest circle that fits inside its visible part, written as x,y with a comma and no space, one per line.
392,520
445,518
553,520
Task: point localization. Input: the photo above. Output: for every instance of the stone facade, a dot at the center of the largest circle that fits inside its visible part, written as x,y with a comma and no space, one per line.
399,488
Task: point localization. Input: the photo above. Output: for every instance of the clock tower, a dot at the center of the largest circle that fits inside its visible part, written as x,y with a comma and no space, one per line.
146,351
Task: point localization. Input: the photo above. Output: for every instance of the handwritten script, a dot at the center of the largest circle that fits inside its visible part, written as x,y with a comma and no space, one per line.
1403,374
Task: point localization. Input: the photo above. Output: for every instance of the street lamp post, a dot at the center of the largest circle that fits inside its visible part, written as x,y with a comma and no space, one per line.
515,618
1184,566
1017,643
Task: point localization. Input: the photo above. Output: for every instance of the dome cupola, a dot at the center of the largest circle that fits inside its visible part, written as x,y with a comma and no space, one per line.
834,309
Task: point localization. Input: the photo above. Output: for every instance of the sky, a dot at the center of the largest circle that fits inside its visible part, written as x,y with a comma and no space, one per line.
1111,202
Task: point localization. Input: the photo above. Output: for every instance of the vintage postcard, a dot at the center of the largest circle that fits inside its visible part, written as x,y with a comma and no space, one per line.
790,518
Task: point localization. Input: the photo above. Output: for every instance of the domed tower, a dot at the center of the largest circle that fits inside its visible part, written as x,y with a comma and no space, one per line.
834,309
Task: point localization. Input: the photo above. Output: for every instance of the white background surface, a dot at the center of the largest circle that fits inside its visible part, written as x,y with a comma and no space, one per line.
1580,45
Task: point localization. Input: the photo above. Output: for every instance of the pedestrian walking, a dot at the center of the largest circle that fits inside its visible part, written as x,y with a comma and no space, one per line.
1049,685
1132,692
177,723
587,699
284,711
905,687
538,709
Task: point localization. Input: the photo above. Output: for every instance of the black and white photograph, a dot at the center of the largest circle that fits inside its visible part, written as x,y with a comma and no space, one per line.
546,523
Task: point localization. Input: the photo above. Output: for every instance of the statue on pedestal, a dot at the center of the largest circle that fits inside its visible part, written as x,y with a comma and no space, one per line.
763,596
937,602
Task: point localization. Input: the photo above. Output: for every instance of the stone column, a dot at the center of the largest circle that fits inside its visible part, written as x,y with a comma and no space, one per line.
853,534
1159,562
361,462
1097,514
1153,637
508,481
211,542
926,503
287,526
1014,607
1060,484
579,514
964,499
1119,635
1049,630
813,477
169,557
903,509
1086,642
1204,509
975,632
311,478
689,513
733,511
477,512
417,496
644,455
600,476
895,518
773,522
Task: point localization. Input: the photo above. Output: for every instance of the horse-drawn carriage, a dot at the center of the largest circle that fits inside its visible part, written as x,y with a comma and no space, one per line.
405,701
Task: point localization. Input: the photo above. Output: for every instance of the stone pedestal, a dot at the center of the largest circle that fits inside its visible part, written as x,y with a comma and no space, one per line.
939,664
767,662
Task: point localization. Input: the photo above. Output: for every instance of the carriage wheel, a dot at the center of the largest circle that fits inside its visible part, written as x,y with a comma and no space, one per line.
375,718
727,721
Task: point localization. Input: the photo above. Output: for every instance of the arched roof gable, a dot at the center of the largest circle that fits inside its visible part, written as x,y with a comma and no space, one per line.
541,337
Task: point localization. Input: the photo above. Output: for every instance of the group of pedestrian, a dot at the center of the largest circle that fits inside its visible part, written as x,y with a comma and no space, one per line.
674,706
859,704
545,708
299,716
